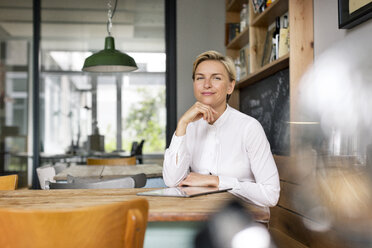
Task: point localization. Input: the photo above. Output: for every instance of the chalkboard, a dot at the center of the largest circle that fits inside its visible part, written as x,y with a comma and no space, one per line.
268,102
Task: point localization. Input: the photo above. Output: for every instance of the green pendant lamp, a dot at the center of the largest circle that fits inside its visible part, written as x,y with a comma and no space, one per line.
109,59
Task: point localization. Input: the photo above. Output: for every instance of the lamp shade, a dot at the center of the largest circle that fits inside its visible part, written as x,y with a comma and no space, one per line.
109,60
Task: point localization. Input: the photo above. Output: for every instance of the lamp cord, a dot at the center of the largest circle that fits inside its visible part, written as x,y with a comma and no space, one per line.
109,22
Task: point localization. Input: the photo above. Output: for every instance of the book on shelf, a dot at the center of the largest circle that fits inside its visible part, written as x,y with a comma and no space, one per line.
268,45
233,29
283,42
277,40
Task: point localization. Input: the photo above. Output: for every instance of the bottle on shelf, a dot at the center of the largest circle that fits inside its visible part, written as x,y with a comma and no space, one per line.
243,18
237,68
275,40
247,16
285,21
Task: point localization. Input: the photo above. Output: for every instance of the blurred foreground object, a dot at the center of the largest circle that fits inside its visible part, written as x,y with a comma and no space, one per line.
335,198
338,202
233,227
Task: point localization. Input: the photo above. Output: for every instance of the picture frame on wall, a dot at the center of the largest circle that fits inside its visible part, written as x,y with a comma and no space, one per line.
353,12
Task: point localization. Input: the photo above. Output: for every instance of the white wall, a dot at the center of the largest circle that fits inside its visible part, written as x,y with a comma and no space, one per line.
326,32
200,27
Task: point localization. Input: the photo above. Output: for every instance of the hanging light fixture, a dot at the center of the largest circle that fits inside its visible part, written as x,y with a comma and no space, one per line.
109,59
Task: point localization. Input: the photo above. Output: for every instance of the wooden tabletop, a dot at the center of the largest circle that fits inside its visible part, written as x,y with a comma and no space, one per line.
161,208
109,171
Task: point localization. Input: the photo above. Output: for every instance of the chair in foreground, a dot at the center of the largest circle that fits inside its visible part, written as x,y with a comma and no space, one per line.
111,161
120,224
135,181
8,182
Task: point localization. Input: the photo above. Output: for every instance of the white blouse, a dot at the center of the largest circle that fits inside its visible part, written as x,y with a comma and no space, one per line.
234,148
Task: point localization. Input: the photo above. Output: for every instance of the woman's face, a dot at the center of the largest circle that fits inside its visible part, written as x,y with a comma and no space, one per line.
212,84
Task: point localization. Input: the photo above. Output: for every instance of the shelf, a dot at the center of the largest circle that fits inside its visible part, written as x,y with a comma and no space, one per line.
235,5
277,8
240,40
265,71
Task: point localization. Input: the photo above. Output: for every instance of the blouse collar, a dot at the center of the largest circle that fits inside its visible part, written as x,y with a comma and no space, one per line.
219,122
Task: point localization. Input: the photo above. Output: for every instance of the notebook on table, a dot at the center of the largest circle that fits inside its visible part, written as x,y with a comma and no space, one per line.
183,191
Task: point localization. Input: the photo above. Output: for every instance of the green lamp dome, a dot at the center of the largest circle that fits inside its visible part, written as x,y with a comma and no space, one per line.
109,60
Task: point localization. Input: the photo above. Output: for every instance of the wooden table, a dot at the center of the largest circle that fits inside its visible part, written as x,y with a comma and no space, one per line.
173,222
161,208
109,171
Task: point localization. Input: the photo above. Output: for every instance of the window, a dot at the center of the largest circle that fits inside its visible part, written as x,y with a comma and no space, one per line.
70,32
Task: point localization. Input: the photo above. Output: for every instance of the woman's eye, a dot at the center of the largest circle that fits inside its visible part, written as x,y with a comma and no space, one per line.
217,78
199,78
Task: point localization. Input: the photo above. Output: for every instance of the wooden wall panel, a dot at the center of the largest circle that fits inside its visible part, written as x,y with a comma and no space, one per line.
291,224
282,240
295,169
328,239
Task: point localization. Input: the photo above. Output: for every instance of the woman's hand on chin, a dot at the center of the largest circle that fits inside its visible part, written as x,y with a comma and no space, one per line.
196,112
196,179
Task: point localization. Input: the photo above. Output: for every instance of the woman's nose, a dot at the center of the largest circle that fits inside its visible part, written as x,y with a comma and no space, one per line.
207,83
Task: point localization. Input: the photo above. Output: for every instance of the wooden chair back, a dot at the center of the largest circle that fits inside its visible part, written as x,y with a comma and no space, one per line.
121,224
9,182
111,161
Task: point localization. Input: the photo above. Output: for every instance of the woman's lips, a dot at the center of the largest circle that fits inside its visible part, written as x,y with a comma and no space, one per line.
207,93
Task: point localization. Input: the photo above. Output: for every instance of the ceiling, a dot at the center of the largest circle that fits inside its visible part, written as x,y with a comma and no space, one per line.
138,25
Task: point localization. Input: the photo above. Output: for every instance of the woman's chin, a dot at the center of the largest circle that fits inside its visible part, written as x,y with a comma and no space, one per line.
211,102
208,102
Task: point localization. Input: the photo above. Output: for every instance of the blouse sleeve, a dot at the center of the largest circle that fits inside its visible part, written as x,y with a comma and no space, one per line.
266,188
176,161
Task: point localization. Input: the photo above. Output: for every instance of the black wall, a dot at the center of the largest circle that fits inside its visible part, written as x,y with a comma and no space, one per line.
268,102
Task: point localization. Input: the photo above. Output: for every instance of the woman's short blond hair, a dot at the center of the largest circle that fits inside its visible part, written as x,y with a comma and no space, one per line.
213,55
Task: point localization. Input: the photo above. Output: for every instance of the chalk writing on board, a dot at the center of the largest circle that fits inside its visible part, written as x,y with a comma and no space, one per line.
268,102
254,103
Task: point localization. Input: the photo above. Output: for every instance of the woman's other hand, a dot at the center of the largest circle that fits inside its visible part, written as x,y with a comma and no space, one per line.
196,112
196,179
